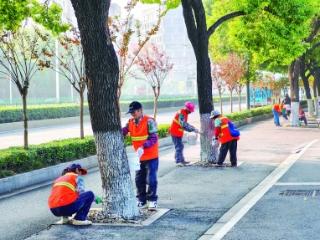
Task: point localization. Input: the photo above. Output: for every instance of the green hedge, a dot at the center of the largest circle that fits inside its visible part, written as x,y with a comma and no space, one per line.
18,160
50,111
38,112
237,116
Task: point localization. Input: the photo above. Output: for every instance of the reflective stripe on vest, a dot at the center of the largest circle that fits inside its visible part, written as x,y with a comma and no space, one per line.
64,191
139,138
66,184
225,135
176,129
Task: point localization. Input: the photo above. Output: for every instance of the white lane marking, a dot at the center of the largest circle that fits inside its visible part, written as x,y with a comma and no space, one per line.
297,184
230,218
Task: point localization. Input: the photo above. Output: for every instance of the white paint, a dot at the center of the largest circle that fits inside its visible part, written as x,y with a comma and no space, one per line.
230,218
310,107
294,116
297,184
57,73
318,106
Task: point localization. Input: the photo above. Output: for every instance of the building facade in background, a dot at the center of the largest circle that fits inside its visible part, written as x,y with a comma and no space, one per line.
48,87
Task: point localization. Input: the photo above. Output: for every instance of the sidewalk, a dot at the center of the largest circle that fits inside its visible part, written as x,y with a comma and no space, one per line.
199,196
290,209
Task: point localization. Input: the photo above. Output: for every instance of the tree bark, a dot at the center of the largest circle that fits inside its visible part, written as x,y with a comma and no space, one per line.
220,97
305,80
155,102
81,113
248,94
25,120
102,71
231,102
294,72
195,21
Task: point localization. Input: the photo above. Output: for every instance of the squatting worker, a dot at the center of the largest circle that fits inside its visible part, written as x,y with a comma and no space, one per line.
68,196
178,126
143,131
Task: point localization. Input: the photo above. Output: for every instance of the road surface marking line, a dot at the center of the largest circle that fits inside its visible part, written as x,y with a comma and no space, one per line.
231,217
297,184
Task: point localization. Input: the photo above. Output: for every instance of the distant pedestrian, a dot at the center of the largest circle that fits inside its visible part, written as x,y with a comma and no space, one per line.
283,111
287,104
143,131
178,126
69,197
276,113
222,133
302,116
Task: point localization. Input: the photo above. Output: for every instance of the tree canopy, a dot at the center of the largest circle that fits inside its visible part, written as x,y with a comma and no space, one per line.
14,12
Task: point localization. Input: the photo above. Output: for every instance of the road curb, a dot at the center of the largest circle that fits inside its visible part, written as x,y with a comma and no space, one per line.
41,177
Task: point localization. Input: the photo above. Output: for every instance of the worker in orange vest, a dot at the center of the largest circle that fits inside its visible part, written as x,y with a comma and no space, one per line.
223,135
143,131
178,126
68,196
276,110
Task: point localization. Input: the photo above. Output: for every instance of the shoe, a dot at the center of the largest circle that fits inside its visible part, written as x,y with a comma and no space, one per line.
81,223
64,220
179,164
221,165
142,205
185,162
152,205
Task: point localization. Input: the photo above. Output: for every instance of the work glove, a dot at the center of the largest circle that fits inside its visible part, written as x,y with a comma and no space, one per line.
140,151
98,200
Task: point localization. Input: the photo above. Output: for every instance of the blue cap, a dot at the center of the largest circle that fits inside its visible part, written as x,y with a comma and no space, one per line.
134,106
75,166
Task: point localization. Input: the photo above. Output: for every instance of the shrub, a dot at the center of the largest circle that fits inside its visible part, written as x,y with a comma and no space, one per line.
237,116
18,160
51,111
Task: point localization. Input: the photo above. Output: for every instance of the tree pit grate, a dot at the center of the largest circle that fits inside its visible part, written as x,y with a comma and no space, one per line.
300,193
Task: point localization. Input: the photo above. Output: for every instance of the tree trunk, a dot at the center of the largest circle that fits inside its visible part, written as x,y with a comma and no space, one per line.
25,120
248,94
155,103
239,101
294,72
231,102
316,89
81,113
102,71
195,21
220,97
306,85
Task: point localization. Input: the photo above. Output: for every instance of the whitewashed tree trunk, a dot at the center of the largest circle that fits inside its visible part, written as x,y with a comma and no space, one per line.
310,107
317,106
102,72
115,175
294,116
207,153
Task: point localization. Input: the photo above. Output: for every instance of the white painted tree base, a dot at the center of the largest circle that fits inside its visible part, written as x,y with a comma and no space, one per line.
294,116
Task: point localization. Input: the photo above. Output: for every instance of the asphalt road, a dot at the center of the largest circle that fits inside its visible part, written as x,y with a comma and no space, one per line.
262,148
62,130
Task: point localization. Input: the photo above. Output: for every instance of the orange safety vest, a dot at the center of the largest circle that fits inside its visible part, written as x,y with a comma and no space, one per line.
139,134
176,129
277,107
64,191
224,133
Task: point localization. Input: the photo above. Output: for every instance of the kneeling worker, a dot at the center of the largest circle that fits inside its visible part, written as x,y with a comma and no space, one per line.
68,196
